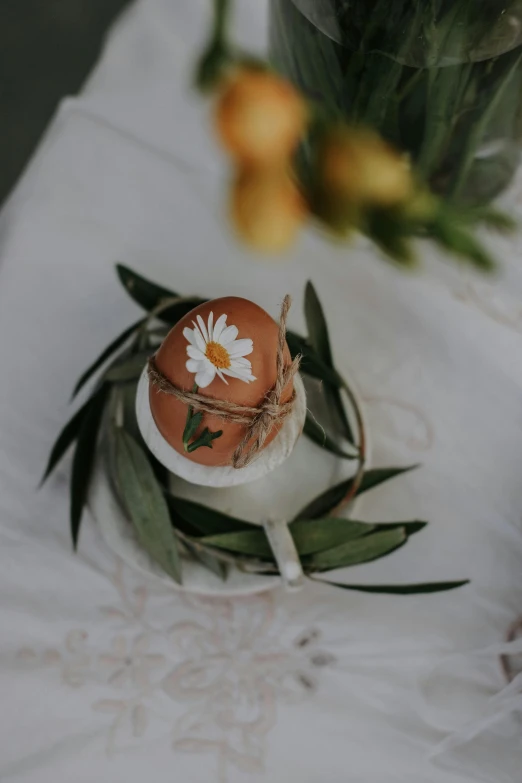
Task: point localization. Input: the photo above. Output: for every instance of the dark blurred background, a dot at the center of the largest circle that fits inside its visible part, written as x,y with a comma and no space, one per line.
47,49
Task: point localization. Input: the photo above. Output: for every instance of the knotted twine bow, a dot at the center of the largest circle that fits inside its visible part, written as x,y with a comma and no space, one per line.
261,420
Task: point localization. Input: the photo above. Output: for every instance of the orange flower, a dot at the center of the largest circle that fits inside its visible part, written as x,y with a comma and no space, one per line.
267,208
358,166
259,116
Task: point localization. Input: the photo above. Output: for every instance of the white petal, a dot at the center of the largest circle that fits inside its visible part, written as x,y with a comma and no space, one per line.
219,326
242,375
203,328
228,335
219,372
195,353
206,376
199,340
210,327
188,334
238,361
240,347
194,366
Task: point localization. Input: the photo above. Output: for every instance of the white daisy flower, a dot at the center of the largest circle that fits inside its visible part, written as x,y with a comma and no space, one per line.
213,350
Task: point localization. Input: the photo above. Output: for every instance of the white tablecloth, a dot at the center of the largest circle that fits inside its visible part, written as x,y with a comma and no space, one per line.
105,676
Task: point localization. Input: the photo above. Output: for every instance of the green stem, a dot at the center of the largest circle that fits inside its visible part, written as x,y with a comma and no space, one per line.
410,84
216,53
221,15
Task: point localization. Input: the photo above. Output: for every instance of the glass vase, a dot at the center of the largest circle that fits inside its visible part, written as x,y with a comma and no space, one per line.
441,79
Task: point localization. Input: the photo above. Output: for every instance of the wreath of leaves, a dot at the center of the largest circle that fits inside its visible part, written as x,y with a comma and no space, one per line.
168,526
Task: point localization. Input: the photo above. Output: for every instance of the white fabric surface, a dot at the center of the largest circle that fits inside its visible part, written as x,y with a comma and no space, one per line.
106,677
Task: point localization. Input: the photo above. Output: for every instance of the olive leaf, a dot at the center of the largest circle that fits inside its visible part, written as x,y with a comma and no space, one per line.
149,295
246,542
311,364
320,342
128,368
143,291
145,504
362,550
415,526
207,520
66,437
327,501
411,589
316,324
177,521
309,536
105,354
83,460
317,434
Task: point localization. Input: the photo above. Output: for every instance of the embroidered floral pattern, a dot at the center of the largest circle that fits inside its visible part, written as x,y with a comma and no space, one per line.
211,681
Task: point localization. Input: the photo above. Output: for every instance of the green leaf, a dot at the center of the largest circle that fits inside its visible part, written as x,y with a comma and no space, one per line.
102,358
494,219
316,324
311,364
362,550
127,369
191,425
426,587
415,526
310,536
392,235
83,459
317,434
178,522
246,542
143,291
327,501
205,439
149,295
459,240
320,342
65,438
207,520
145,504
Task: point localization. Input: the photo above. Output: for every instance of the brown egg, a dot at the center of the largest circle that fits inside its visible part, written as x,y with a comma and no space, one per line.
170,414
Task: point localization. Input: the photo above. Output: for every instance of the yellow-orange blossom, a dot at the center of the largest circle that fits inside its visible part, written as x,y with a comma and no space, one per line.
267,208
260,117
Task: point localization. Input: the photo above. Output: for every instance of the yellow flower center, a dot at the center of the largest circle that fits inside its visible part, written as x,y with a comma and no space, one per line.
218,356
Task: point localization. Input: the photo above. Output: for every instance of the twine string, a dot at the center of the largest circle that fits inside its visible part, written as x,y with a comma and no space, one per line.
260,420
